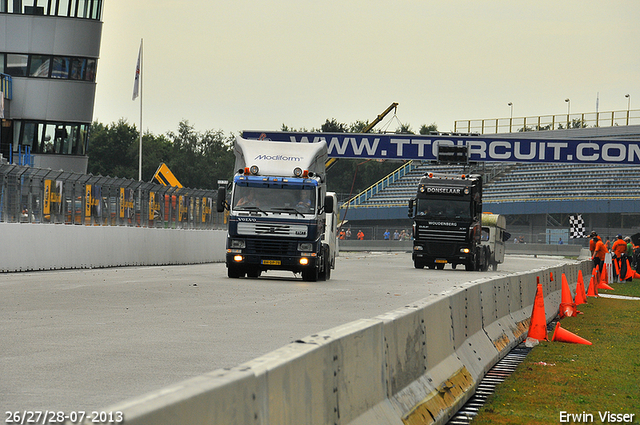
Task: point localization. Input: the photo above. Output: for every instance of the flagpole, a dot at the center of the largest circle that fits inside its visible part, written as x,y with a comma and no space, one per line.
140,150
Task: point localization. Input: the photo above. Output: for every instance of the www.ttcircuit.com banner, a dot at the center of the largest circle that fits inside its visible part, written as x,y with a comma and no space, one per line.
409,146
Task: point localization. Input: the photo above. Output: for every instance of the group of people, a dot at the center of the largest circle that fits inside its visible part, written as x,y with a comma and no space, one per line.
397,236
621,251
346,234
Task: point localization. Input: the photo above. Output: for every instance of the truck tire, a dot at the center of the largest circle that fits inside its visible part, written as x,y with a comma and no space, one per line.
254,273
234,272
472,264
310,274
325,274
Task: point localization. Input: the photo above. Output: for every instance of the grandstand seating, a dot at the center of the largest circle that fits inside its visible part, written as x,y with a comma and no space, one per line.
524,182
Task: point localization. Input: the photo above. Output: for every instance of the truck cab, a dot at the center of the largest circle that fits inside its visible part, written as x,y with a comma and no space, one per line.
447,214
278,210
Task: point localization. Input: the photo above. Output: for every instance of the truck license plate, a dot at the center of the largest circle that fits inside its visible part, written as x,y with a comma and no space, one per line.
271,262
441,261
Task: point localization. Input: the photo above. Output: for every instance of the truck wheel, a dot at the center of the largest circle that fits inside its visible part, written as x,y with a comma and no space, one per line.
310,274
234,272
326,273
471,264
254,273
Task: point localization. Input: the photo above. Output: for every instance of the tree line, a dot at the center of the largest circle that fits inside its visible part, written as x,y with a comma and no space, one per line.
200,159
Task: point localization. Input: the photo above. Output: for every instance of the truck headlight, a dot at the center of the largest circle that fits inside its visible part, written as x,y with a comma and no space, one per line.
305,246
465,250
418,248
238,243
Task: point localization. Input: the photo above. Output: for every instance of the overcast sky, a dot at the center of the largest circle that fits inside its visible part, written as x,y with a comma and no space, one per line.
257,64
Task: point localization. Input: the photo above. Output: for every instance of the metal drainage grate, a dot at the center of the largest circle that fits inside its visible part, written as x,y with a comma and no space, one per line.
496,376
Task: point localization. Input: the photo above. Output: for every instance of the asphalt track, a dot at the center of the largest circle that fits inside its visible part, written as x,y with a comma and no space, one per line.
87,339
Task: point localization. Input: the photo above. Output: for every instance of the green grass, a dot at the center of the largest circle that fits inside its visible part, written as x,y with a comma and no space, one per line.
577,378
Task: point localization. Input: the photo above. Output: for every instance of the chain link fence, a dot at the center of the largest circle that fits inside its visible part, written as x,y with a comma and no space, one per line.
33,195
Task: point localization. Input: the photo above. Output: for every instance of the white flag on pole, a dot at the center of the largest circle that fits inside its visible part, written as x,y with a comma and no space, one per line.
136,83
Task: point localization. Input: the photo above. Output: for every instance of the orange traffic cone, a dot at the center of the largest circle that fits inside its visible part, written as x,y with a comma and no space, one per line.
563,335
538,325
604,279
581,295
593,292
567,306
630,273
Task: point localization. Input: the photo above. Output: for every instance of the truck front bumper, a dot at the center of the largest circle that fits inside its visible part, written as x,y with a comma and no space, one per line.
295,263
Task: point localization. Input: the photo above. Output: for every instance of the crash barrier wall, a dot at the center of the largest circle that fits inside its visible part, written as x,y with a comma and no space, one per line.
414,365
36,195
510,248
48,247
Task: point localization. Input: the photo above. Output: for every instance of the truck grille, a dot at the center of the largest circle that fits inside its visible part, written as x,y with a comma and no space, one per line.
447,234
268,246
275,229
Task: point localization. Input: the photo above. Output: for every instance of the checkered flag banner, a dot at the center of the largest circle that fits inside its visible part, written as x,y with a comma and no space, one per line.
577,227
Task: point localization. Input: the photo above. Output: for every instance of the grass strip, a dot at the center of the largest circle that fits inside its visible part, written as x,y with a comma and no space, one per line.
591,382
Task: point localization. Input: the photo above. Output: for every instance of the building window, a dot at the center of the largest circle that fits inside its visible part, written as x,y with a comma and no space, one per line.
51,137
88,9
39,66
16,65
43,66
60,68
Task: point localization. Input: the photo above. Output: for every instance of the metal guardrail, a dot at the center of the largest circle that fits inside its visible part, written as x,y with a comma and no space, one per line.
380,185
548,122
34,195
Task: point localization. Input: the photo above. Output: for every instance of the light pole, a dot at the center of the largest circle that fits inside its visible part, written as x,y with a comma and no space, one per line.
628,106
511,116
568,110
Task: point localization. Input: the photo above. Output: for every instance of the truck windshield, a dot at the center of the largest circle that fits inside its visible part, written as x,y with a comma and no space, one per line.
444,208
281,199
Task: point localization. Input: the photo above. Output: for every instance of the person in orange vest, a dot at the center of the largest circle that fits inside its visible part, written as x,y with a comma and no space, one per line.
592,243
341,235
360,235
599,253
619,248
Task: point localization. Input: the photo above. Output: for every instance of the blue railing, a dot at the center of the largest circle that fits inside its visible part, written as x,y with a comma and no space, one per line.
380,185
6,86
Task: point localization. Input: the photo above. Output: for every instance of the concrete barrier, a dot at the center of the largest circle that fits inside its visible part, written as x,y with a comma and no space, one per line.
510,248
414,365
59,246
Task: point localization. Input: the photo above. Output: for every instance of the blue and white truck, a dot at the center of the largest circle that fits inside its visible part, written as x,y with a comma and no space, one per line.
281,216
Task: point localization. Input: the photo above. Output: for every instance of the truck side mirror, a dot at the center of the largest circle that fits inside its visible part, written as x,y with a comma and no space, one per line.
328,204
221,202
410,207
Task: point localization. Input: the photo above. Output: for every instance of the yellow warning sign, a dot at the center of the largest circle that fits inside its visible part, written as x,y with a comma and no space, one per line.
165,177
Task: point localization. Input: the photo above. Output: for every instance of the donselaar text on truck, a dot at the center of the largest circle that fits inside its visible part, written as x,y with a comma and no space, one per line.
281,216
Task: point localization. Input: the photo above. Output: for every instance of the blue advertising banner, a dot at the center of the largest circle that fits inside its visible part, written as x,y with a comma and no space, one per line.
481,148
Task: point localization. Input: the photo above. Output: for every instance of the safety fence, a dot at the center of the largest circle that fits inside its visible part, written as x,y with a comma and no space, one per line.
548,122
34,195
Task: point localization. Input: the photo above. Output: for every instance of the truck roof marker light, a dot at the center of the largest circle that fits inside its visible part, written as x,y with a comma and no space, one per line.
430,175
305,174
254,170
246,171
297,172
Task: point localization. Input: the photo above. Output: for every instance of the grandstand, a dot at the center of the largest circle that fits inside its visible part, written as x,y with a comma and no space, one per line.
537,198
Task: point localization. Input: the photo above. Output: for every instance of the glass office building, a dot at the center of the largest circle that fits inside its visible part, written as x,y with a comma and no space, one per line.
48,57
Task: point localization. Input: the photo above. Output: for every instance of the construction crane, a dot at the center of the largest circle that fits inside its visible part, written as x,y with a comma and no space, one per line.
367,129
